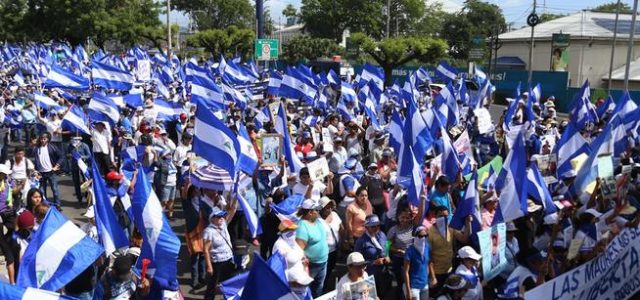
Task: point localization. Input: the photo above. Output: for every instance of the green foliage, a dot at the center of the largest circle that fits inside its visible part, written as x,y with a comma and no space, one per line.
289,11
11,14
329,18
393,52
546,17
227,42
305,47
217,14
611,7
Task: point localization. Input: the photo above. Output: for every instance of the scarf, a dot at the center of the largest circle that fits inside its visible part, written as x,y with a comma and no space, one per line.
419,244
374,241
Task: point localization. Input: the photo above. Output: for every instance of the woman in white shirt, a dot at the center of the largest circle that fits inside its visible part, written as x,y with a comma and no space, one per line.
335,230
287,247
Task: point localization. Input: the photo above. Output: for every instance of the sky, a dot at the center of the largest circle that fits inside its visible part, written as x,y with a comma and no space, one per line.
515,11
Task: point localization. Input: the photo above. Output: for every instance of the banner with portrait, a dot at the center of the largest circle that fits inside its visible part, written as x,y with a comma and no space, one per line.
493,244
560,52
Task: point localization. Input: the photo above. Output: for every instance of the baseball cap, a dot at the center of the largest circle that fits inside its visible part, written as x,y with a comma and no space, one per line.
113,176
324,201
298,275
372,220
355,259
310,204
350,163
468,252
217,212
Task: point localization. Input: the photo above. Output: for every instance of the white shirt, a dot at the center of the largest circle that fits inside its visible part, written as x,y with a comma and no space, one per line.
338,158
474,292
316,192
180,155
333,229
18,170
52,129
45,162
290,250
101,141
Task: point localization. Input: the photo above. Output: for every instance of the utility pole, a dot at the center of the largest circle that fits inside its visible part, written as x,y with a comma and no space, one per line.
630,49
260,18
613,46
169,30
532,20
388,18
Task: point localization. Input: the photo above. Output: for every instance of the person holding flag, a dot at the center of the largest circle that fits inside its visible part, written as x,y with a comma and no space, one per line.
218,250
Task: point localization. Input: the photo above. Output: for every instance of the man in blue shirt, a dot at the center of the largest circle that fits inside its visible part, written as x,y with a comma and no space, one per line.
416,262
440,195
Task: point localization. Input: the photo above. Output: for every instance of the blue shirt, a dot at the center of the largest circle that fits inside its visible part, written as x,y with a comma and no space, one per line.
315,236
441,199
370,252
418,266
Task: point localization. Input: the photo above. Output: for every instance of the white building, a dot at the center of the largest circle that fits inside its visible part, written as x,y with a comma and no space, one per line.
591,37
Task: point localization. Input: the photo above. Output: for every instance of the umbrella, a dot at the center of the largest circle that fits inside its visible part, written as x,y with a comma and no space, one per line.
213,178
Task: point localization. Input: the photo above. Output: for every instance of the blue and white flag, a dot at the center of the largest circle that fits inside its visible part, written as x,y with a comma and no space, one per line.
19,78
253,223
585,181
628,111
111,77
447,105
133,100
14,292
570,146
248,161
584,112
295,85
160,244
264,283
110,232
480,75
233,95
333,78
215,142
206,92
450,163
395,131
75,121
192,70
102,108
538,190
61,78
281,126
446,72
372,73
81,165
469,206
58,252
44,101
275,79
167,111
348,93
287,208
416,133
371,111
513,190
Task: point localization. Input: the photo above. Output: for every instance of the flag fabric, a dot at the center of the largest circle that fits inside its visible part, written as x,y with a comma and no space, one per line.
102,108
160,244
584,112
607,106
15,292
264,283
512,202
192,70
206,92
538,190
585,181
450,162
333,78
44,101
281,126
294,85
111,77
469,206
253,223
248,160
570,146
480,75
74,120
167,111
372,73
347,92
110,232
396,133
58,252
61,78
233,287
233,95
287,208
628,111
215,142
446,72
132,100
489,181
416,132
275,80
81,165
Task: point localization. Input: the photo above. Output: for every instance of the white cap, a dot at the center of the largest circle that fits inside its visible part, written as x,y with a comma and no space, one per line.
468,252
5,169
298,275
310,204
593,212
90,213
324,201
355,258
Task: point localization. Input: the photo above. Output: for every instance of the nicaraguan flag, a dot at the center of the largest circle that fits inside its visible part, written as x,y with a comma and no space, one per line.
584,112
167,111
295,85
628,111
232,288
348,93
282,128
14,292
160,244
81,165
58,252
215,142
287,208
333,78
469,206
570,146
607,106
450,164
111,77
192,70
74,120
395,131
275,79
446,72
233,95
513,189
372,73
264,283
480,75
111,234
102,108
60,78
249,212
44,101
538,190
206,92
132,100
248,161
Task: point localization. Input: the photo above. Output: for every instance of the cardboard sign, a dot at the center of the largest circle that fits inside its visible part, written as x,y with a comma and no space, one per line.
273,109
327,141
318,169
484,120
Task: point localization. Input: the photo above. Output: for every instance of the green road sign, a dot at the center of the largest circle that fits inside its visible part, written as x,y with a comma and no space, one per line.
266,49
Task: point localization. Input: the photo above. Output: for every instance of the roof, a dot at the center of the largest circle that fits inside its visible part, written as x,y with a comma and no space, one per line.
510,61
292,28
585,24
618,74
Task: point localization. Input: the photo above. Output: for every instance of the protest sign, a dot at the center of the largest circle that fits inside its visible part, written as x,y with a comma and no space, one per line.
612,275
484,120
318,169
327,141
493,244
483,172
271,149
360,290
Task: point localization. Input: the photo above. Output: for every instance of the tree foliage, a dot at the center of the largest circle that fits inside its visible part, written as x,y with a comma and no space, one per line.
289,11
228,42
305,47
393,52
546,17
329,18
612,6
217,14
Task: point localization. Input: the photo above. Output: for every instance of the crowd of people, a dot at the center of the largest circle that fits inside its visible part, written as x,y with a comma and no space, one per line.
389,232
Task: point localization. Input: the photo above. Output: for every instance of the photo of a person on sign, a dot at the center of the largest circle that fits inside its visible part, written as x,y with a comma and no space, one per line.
558,62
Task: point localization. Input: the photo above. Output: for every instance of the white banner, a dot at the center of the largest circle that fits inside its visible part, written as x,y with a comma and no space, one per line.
612,275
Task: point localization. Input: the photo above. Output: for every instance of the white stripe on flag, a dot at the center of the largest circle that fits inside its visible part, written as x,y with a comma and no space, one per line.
61,79
53,250
31,293
152,218
446,72
104,108
77,122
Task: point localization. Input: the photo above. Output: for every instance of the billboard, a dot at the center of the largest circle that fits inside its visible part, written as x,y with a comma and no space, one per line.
559,52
